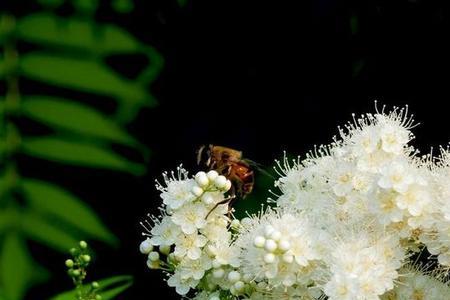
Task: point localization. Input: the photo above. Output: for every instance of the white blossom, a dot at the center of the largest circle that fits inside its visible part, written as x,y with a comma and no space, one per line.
182,285
165,233
417,284
191,217
190,245
362,268
177,190
194,268
396,176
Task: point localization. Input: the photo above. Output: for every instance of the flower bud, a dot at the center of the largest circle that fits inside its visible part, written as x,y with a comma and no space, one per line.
197,191
153,264
146,247
235,223
259,241
165,249
220,182
270,245
284,245
269,258
239,285
153,256
234,276
86,258
69,263
212,175
227,186
218,273
275,235
202,179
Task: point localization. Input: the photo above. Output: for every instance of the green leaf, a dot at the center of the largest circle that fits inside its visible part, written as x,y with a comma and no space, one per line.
52,235
16,267
114,281
6,220
8,180
114,292
80,154
113,286
109,288
82,35
9,220
123,6
85,75
86,7
75,117
51,200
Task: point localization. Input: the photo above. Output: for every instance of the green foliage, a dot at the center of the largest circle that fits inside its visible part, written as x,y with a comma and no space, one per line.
81,45
17,267
77,267
55,202
14,261
76,35
68,53
77,153
109,288
66,115
53,69
123,6
40,229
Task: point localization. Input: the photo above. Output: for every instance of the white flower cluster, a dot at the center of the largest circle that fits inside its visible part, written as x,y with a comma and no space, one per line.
363,268
191,231
348,219
417,282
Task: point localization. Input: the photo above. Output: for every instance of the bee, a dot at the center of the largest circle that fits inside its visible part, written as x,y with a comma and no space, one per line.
229,163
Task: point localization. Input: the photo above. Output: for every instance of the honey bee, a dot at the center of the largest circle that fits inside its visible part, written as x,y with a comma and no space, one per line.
229,163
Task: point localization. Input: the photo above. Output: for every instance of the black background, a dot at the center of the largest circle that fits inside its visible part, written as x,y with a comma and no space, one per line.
263,77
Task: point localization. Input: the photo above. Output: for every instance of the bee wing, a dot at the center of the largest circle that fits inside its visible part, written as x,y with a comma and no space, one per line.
203,155
258,167
199,153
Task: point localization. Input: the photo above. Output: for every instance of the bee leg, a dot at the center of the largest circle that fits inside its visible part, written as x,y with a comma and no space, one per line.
230,207
232,191
226,200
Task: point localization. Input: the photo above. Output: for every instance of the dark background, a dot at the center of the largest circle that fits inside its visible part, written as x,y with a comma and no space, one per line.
263,77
